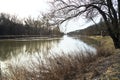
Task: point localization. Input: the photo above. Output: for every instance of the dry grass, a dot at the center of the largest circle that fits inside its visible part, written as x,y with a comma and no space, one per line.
66,67
56,68
105,42
105,46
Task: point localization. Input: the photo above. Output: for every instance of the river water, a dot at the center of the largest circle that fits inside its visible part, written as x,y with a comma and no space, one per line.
21,51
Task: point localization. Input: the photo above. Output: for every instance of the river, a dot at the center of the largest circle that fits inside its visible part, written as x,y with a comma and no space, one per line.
21,51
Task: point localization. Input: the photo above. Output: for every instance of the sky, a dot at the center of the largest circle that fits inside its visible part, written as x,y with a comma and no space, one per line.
24,8
77,24
33,8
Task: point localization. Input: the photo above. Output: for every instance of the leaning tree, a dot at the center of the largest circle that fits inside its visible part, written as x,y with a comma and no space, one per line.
109,10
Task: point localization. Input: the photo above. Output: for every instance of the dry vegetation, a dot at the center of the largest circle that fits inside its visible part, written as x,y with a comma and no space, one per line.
67,67
57,68
105,42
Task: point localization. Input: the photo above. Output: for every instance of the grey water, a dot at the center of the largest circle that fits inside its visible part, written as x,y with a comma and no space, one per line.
23,50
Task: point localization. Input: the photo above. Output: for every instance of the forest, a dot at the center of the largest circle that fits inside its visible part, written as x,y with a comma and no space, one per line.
10,25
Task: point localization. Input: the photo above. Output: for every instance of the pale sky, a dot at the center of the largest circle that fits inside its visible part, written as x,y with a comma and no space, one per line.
33,8
24,8
77,24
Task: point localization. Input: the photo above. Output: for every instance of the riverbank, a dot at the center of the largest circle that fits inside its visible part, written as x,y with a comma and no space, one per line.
99,41
79,67
28,37
106,68
101,66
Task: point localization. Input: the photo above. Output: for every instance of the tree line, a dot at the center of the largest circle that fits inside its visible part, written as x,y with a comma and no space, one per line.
11,25
93,30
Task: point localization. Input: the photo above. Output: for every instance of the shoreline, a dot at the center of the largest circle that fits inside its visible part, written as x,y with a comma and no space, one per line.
28,37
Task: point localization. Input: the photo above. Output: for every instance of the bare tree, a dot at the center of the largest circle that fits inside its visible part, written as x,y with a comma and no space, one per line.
108,9
50,21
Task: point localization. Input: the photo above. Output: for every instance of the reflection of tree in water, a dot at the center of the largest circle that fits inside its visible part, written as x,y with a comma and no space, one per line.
7,48
13,48
42,46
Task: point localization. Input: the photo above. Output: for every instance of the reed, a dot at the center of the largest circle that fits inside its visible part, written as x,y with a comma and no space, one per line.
60,67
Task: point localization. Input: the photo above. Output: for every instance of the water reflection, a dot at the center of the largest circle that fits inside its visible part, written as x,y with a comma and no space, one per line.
25,50
72,45
14,48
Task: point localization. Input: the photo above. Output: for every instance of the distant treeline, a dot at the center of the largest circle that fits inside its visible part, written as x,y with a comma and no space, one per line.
11,25
97,29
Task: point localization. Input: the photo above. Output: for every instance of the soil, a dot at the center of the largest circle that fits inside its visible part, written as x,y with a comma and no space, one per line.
103,69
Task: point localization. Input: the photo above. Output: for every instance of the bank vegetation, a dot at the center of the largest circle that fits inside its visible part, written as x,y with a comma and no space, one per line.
13,27
70,67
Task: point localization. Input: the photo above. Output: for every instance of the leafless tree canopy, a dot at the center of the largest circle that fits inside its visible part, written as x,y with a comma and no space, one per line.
108,9
68,9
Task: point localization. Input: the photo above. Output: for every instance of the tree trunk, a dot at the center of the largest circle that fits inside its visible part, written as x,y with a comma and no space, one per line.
116,42
114,34
116,39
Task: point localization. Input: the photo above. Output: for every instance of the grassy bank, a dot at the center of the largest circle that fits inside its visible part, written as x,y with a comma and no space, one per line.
105,43
58,68
68,67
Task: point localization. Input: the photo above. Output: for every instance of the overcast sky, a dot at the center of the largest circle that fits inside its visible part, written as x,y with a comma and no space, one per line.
33,8
24,8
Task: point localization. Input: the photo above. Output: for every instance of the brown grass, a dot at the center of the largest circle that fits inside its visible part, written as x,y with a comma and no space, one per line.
65,67
105,42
